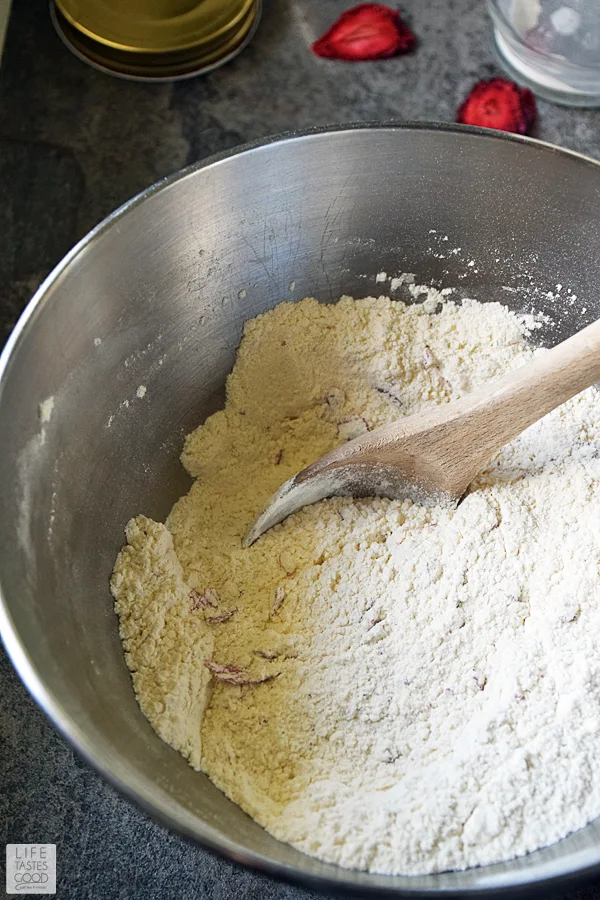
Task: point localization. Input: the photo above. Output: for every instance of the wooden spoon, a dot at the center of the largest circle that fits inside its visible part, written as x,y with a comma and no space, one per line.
433,456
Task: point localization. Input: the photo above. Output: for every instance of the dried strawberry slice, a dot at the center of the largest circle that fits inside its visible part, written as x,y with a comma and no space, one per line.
367,31
500,104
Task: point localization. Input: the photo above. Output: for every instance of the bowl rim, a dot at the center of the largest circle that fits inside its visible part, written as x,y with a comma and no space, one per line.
117,774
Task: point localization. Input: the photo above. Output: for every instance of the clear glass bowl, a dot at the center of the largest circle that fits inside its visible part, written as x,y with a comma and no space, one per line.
552,46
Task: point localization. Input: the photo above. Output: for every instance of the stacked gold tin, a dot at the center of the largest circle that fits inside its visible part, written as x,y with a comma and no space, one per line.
156,40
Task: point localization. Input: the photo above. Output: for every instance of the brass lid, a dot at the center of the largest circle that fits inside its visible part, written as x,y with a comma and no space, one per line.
198,45
155,26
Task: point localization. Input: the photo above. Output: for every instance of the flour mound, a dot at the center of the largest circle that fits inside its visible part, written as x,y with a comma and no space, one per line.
433,692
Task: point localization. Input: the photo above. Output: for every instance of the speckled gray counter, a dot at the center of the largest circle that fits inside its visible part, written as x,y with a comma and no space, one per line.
74,144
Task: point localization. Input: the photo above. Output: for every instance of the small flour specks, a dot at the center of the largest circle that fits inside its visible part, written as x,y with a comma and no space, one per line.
141,391
381,276
383,685
45,410
398,281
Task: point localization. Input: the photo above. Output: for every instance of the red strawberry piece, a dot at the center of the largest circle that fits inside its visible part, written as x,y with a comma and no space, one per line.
367,31
500,104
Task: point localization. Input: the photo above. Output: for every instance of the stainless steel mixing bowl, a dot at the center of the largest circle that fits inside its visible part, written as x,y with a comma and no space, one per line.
156,296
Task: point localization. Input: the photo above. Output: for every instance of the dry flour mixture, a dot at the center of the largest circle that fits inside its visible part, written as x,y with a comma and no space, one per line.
385,686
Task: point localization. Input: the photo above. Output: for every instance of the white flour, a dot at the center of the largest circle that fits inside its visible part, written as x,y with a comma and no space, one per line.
424,684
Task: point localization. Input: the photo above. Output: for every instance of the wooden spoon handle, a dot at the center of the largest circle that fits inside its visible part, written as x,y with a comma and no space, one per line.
499,412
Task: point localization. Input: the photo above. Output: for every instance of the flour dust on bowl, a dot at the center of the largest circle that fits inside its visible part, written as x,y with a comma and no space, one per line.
133,337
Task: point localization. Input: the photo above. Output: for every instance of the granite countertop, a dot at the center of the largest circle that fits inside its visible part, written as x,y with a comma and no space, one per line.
74,144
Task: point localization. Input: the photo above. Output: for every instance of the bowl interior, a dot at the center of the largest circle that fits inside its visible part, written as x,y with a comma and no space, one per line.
156,297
